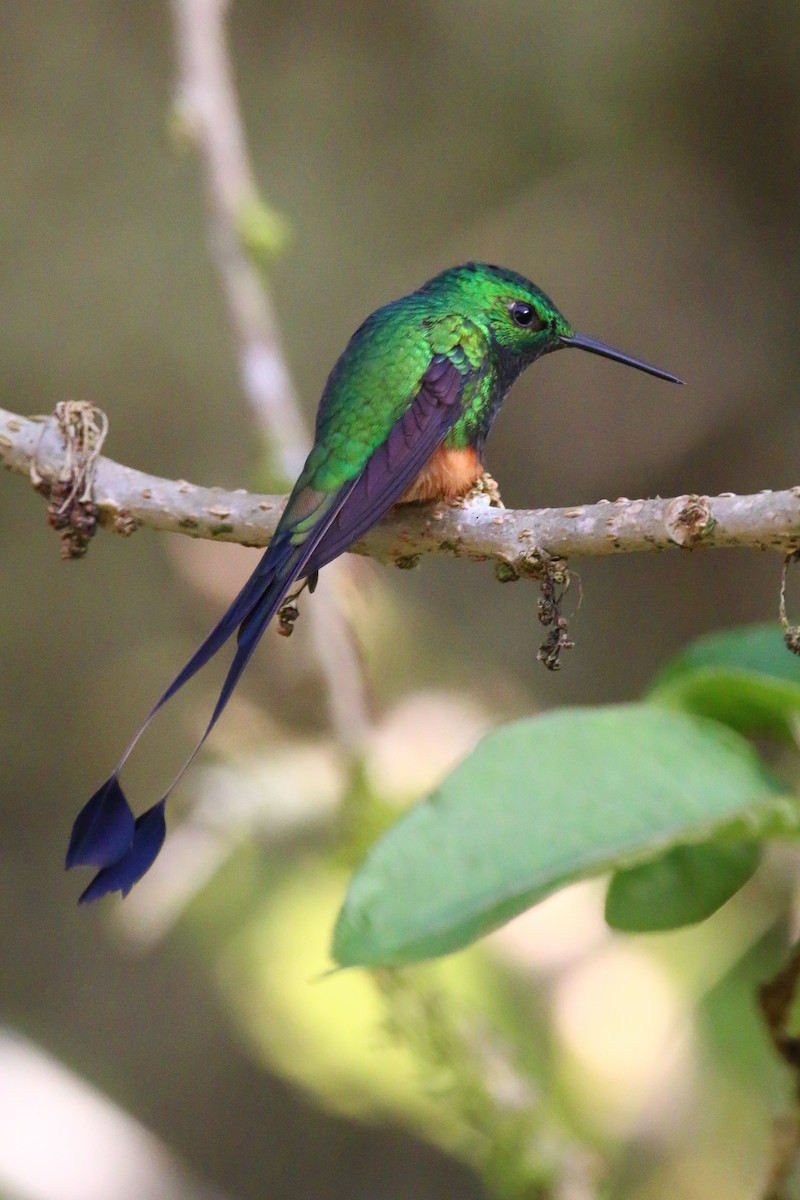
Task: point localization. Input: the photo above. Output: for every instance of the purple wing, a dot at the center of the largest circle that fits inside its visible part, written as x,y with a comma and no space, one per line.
395,464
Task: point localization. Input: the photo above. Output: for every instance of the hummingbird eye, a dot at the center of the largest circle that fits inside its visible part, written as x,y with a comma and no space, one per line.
524,315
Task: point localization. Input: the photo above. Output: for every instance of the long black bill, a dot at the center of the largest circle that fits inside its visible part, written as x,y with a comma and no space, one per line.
584,343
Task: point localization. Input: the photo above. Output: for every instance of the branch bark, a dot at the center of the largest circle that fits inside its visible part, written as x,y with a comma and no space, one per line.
127,498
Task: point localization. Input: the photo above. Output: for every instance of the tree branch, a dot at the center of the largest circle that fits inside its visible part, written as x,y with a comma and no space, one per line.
127,498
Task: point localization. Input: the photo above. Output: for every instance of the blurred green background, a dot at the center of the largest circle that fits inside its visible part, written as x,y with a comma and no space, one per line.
638,161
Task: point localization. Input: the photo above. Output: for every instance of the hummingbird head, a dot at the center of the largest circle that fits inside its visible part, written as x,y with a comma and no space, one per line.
523,322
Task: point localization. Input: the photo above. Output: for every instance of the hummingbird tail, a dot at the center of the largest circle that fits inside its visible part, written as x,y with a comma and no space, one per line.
105,834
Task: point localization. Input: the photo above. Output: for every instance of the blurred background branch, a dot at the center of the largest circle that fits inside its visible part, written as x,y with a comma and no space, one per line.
206,112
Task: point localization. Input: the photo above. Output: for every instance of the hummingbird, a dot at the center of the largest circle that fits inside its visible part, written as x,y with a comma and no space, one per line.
403,417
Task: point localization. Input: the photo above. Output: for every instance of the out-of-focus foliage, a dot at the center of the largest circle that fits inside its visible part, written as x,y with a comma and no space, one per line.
671,803
541,804
743,677
640,163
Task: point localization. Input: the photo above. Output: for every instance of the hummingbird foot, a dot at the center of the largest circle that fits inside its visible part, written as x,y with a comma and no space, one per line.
485,488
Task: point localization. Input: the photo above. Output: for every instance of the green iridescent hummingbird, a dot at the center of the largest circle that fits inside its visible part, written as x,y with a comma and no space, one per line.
404,416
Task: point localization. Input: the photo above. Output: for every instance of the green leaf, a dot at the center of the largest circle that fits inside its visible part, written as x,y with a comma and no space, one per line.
540,804
756,648
681,887
745,678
